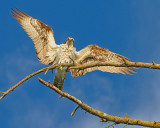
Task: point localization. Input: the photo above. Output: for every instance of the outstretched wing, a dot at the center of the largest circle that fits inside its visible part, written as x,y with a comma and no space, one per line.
41,34
94,53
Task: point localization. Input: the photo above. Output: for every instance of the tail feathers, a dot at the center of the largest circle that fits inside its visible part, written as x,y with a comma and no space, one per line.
58,84
59,78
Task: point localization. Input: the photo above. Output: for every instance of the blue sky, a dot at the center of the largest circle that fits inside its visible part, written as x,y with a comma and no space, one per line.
130,28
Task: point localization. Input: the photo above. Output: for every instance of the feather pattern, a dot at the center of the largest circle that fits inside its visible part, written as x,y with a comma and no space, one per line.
41,34
94,53
49,52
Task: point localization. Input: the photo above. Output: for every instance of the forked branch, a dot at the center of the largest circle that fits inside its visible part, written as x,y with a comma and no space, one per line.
152,65
104,117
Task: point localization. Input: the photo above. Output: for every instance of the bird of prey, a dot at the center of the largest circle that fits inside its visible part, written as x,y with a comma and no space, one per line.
49,52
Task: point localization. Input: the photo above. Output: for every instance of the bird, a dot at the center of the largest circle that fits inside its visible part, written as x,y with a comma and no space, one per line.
49,53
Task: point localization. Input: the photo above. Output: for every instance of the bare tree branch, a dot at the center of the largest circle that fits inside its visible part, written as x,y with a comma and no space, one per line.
106,117
152,65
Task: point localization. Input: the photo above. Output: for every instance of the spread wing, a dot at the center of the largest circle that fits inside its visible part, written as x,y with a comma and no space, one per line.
41,34
94,53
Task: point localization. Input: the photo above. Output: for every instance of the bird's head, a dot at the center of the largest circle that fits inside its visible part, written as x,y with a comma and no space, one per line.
69,42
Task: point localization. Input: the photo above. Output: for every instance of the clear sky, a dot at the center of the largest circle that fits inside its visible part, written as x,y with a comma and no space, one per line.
128,27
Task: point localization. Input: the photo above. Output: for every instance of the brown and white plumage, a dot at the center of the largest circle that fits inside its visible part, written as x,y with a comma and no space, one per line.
49,52
93,54
41,34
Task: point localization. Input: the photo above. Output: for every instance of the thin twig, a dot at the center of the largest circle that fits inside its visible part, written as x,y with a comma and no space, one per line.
116,119
110,125
72,114
124,126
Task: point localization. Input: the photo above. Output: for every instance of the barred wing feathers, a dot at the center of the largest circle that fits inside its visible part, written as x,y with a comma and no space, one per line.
94,53
41,34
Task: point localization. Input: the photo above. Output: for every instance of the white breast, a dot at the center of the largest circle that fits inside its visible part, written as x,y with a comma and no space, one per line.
65,53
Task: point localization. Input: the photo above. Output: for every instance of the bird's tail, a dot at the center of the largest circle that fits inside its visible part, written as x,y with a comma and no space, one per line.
59,78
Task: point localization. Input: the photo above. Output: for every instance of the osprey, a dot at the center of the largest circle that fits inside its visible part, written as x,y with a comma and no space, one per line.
49,52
